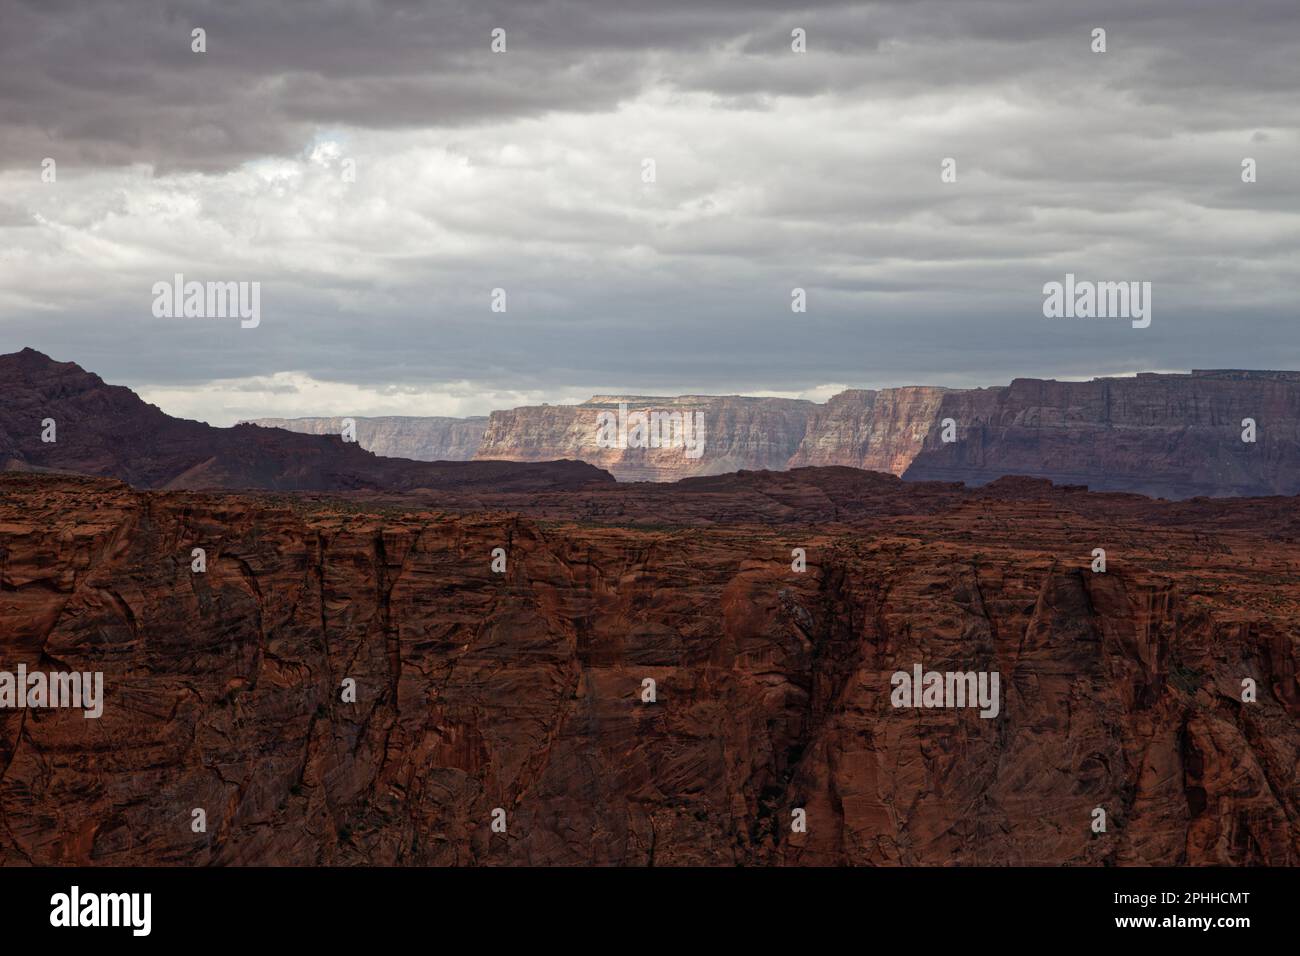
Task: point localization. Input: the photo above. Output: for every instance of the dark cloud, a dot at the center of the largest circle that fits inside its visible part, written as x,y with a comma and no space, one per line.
114,81
522,170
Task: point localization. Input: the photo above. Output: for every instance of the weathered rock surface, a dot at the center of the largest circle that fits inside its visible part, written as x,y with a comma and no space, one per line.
522,690
1172,436
1166,435
739,433
419,438
107,430
877,430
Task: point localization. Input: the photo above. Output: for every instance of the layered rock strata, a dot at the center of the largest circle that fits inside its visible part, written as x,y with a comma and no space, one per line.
521,696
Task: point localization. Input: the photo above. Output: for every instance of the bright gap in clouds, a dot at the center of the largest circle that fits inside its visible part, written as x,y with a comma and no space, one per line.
293,395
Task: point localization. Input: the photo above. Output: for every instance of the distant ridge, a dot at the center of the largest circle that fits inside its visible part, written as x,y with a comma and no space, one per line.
433,438
1171,435
107,430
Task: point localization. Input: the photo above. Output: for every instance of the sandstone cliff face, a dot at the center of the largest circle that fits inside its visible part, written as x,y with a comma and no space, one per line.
878,430
1173,436
522,691
423,438
739,433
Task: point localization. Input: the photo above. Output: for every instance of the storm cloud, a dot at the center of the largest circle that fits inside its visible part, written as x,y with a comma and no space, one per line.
380,170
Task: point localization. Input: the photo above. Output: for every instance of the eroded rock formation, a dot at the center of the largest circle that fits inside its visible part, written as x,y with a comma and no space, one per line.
524,690
878,430
1167,435
738,432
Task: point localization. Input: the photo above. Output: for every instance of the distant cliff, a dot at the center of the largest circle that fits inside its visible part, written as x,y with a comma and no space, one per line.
56,416
1164,435
1172,436
880,431
738,433
419,438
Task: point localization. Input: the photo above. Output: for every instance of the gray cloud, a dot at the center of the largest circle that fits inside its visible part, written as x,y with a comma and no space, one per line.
114,81
775,170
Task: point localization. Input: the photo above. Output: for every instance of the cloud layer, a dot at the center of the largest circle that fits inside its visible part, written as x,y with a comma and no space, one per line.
523,171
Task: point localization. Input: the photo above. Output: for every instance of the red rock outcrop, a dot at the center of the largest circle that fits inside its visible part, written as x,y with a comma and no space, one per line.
523,690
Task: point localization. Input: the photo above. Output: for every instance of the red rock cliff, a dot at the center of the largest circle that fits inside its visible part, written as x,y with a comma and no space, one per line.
523,691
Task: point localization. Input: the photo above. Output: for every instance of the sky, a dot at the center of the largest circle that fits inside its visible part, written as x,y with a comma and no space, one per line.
380,170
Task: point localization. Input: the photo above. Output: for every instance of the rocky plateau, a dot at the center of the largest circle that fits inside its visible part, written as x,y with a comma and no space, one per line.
523,691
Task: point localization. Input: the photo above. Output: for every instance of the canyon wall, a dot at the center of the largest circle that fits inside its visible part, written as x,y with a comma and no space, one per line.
525,692
420,438
1173,436
739,433
877,430
1166,435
